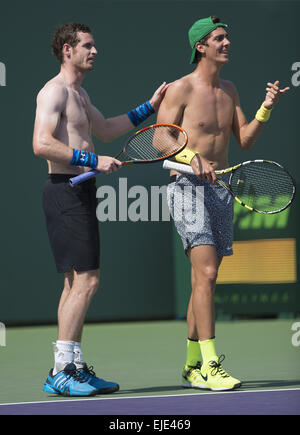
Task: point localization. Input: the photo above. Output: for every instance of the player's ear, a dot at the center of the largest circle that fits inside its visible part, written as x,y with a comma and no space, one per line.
200,48
66,50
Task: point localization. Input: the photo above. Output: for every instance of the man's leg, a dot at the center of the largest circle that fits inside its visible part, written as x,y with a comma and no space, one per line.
71,376
79,288
68,280
201,324
193,354
76,297
201,311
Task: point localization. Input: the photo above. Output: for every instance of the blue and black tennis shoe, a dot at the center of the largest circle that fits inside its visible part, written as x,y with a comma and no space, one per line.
87,374
73,381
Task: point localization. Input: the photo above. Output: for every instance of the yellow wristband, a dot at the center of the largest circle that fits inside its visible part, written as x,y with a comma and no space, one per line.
263,114
185,156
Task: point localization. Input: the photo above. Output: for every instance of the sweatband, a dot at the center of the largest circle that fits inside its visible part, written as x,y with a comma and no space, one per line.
84,158
185,156
263,114
140,113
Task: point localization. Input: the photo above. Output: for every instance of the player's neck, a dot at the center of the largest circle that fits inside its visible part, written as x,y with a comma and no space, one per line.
209,72
71,76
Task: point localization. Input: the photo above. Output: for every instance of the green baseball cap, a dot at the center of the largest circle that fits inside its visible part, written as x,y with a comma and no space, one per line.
199,30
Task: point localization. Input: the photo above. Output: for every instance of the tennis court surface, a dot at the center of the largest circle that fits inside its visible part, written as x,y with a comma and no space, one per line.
146,359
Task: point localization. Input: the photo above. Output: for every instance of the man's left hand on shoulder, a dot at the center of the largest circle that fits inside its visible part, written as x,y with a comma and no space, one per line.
273,94
158,95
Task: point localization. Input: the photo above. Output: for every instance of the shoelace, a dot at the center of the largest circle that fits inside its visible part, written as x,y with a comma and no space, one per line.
191,372
85,372
75,374
217,367
198,365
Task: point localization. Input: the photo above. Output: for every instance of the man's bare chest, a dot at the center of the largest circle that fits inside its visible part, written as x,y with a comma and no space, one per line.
210,110
77,112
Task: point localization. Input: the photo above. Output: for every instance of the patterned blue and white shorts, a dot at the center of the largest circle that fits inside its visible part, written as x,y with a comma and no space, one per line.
202,213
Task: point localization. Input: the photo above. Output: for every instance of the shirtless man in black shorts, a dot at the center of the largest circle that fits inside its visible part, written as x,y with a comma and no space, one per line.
64,124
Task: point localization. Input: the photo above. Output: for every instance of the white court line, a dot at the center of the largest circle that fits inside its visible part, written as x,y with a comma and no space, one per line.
150,397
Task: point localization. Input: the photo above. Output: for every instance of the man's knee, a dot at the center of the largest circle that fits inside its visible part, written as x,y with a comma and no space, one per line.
207,273
210,273
87,282
93,282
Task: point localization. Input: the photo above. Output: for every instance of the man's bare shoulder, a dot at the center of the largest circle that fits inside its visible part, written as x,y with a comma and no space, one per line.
55,90
180,87
184,83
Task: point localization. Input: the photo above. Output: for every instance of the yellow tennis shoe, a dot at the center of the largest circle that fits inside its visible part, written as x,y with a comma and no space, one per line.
210,376
191,376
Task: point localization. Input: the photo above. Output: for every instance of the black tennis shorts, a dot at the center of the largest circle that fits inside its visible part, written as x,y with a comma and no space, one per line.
72,223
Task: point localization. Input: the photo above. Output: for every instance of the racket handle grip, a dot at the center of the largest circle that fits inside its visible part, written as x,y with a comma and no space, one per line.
83,177
180,167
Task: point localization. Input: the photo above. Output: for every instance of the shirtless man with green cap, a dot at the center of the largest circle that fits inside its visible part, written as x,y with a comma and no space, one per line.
208,108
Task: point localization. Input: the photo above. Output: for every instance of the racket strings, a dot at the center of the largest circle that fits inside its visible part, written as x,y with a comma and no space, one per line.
263,186
155,142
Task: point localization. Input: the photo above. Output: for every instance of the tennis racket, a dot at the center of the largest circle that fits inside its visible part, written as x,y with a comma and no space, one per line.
151,144
262,186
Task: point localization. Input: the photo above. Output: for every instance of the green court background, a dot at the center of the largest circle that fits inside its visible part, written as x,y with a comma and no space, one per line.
141,44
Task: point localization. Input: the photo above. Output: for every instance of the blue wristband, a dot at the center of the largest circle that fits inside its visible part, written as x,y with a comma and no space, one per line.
140,113
84,158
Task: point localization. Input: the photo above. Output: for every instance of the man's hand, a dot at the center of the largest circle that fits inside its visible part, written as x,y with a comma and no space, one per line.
273,94
158,95
107,164
203,169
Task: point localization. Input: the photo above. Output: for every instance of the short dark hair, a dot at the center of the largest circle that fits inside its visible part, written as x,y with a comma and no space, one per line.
203,41
67,34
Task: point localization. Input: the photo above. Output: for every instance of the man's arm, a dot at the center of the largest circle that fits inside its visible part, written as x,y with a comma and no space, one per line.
246,133
107,129
172,107
111,128
51,103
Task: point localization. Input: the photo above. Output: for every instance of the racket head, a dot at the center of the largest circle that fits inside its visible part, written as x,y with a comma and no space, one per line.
154,143
263,186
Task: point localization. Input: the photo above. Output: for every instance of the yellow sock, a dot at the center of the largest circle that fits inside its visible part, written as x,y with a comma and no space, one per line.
208,350
193,353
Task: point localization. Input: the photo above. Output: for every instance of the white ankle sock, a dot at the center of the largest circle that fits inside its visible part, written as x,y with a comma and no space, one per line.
63,354
78,357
